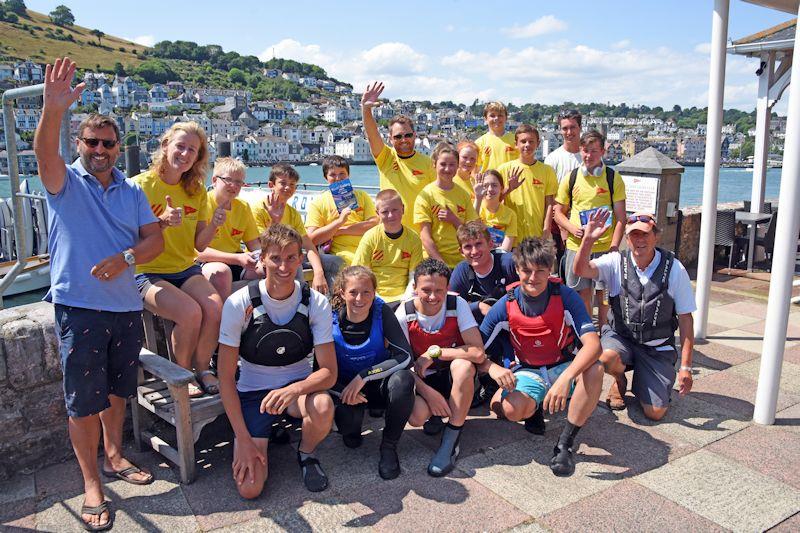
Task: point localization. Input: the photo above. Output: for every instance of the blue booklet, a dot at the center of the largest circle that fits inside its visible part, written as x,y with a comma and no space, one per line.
497,235
343,195
586,214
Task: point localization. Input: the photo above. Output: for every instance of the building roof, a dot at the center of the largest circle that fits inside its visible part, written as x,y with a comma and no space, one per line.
648,161
780,37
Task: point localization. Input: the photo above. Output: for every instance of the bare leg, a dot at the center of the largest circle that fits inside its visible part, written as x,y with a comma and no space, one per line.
84,433
586,296
170,302
654,413
421,412
602,309
515,406
463,374
250,490
111,420
316,410
587,391
220,277
201,291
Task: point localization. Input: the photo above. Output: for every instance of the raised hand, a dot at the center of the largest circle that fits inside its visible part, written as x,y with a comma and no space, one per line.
446,215
275,207
58,91
596,226
477,186
172,216
219,216
513,180
371,97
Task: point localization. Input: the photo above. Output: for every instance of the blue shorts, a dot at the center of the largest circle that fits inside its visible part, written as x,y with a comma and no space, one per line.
146,280
535,382
99,356
259,424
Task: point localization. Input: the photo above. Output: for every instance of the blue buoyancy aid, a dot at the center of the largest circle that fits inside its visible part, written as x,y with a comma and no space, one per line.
352,359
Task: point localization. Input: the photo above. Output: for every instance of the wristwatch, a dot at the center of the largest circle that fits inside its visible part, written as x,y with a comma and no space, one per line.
687,368
129,258
434,351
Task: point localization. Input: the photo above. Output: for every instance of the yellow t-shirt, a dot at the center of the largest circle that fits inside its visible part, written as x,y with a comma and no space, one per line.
591,192
405,175
528,200
392,260
322,211
239,226
291,217
466,185
426,209
494,151
179,253
501,224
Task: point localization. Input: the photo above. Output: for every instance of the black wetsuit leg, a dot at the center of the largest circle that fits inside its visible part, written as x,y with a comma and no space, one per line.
397,391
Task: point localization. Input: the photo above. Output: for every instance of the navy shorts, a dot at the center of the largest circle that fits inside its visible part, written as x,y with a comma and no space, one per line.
259,424
99,356
146,280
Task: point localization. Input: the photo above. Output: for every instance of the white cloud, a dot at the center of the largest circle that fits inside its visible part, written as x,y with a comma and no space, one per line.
144,40
619,45
703,48
540,26
291,49
449,28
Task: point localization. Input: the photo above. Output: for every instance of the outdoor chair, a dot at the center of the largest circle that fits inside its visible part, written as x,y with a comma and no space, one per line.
767,207
163,391
726,234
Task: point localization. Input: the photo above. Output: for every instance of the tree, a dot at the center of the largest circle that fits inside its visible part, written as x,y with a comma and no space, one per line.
747,149
99,34
237,76
119,70
16,6
62,16
155,71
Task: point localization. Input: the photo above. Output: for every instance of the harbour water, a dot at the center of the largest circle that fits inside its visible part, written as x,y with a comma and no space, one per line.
734,183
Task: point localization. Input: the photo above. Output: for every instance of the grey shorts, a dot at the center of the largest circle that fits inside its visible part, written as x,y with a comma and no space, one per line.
576,282
653,370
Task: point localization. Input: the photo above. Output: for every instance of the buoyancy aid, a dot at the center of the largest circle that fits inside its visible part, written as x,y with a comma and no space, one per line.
268,344
476,290
541,340
644,313
353,358
448,336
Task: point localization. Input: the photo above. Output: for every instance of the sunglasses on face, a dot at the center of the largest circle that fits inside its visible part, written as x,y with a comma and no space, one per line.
400,136
641,218
92,143
231,181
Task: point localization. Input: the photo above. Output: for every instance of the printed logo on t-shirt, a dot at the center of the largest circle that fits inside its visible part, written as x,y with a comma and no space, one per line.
395,165
488,150
188,210
235,232
405,255
416,172
537,182
377,255
600,190
158,209
460,209
510,148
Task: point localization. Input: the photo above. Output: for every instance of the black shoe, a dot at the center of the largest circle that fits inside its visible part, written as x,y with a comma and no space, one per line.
377,413
314,478
353,441
433,426
389,464
444,460
535,424
563,463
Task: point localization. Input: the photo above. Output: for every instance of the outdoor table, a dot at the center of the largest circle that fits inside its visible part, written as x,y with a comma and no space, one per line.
752,220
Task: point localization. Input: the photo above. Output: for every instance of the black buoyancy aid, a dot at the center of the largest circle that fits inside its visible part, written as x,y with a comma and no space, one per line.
644,313
476,290
541,340
268,344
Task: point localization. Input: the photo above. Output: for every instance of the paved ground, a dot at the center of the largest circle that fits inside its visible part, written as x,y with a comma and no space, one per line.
706,467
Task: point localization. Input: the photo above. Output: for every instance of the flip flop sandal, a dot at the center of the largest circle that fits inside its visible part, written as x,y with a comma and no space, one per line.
97,511
125,475
207,389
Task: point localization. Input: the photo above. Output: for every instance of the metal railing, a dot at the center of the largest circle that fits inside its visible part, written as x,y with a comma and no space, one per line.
13,174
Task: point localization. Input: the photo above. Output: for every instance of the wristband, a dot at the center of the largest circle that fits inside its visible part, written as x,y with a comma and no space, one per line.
687,368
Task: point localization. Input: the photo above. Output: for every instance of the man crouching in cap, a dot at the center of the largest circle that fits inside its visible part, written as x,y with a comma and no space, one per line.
651,297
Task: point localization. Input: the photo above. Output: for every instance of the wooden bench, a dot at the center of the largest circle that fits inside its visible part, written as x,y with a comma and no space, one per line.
163,391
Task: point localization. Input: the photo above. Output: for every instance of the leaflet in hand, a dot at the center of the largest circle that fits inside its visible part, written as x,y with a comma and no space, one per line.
497,236
587,214
343,195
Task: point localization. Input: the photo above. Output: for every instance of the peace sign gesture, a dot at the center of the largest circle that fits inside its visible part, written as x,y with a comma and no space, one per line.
371,96
58,91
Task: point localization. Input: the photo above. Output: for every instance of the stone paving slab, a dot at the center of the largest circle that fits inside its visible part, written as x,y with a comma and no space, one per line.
627,506
735,393
789,419
21,516
719,356
724,491
717,315
792,330
766,449
790,374
744,340
17,488
790,525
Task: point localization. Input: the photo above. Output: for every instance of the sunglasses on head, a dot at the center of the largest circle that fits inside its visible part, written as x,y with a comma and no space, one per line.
403,136
641,218
92,143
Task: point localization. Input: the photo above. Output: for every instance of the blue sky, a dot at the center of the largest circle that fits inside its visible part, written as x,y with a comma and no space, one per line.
634,51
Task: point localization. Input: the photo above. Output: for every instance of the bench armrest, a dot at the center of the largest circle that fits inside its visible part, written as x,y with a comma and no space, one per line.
165,369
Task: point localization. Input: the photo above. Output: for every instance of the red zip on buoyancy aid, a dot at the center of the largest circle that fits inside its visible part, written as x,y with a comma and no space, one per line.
448,336
540,340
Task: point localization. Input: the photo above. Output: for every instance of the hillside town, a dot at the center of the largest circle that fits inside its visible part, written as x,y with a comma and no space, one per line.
262,132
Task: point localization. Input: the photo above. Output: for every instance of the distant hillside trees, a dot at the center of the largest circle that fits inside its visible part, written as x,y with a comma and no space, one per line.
99,34
155,71
16,6
62,16
289,65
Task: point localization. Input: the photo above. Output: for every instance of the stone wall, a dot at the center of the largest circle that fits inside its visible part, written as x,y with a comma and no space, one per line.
33,421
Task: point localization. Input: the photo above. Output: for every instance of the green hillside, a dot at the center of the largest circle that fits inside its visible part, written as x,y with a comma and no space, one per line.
35,37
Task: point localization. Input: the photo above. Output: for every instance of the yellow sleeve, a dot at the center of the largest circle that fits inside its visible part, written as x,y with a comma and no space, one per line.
422,209
262,218
511,227
384,159
363,253
204,212
550,182
250,227
562,196
296,221
619,188
316,218
471,213
369,206
416,248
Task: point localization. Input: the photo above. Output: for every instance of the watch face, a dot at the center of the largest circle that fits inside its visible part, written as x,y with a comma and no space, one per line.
129,258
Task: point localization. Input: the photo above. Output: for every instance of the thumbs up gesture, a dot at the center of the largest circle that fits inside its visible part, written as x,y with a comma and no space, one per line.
218,218
172,216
